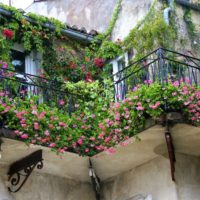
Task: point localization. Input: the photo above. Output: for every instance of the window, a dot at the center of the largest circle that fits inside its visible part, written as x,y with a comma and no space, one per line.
25,64
119,64
18,61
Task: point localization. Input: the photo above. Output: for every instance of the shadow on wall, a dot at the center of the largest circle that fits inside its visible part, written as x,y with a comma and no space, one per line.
141,197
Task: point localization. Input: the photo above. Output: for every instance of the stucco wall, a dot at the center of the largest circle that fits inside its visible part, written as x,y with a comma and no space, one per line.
91,14
95,14
46,187
154,178
151,178
188,177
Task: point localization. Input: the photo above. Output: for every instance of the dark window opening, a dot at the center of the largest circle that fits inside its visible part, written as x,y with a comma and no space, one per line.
18,61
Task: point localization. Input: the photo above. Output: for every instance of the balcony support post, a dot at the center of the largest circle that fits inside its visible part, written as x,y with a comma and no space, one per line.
95,181
171,152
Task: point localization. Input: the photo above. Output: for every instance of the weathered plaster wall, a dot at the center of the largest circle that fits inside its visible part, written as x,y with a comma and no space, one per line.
91,14
95,14
188,177
47,187
151,178
131,13
154,178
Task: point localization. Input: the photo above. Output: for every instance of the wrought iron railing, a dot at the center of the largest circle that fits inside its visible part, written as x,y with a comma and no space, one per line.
162,66
22,85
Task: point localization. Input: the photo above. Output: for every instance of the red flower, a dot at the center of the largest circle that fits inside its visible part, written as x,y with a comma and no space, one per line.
8,33
99,62
88,77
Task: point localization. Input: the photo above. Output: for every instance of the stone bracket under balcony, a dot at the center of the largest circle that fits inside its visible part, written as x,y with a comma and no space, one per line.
20,170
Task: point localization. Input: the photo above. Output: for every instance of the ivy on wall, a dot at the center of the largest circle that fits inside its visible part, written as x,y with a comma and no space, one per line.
151,33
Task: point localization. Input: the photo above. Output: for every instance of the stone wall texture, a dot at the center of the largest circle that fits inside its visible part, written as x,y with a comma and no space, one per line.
154,178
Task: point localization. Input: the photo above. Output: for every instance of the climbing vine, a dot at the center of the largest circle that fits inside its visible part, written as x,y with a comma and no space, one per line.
150,33
113,20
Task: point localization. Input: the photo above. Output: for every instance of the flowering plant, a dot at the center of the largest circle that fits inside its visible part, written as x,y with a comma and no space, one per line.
97,123
8,33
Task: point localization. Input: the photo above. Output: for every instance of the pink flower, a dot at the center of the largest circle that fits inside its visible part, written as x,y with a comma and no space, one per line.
148,82
33,141
23,121
92,138
174,94
117,105
42,114
124,143
47,133
101,135
176,84
87,150
23,125
44,140
51,126
99,148
61,150
52,144
186,103
80,141
62,102
135,97
193,118
111,151
36,126
155,105
101,126
126,127
24,136
93,116
16,132
139,108
34,112
107,139
62,124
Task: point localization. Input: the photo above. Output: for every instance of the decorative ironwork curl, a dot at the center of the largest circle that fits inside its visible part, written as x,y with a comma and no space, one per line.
20,171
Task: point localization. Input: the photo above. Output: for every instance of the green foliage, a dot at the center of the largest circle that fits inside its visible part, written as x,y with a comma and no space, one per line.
109,50
150,33
97,123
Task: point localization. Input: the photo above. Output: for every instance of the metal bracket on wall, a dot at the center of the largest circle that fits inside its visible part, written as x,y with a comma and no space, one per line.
95,180
20,170
171,151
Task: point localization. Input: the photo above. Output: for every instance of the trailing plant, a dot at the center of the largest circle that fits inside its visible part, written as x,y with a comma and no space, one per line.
97,123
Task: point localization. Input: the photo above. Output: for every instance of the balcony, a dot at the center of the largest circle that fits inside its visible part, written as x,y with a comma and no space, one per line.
89,117
162,66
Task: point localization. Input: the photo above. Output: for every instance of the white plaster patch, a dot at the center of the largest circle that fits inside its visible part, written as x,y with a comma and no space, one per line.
87,13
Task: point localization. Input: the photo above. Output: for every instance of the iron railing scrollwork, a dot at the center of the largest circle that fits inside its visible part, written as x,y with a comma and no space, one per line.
51,92
162,66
